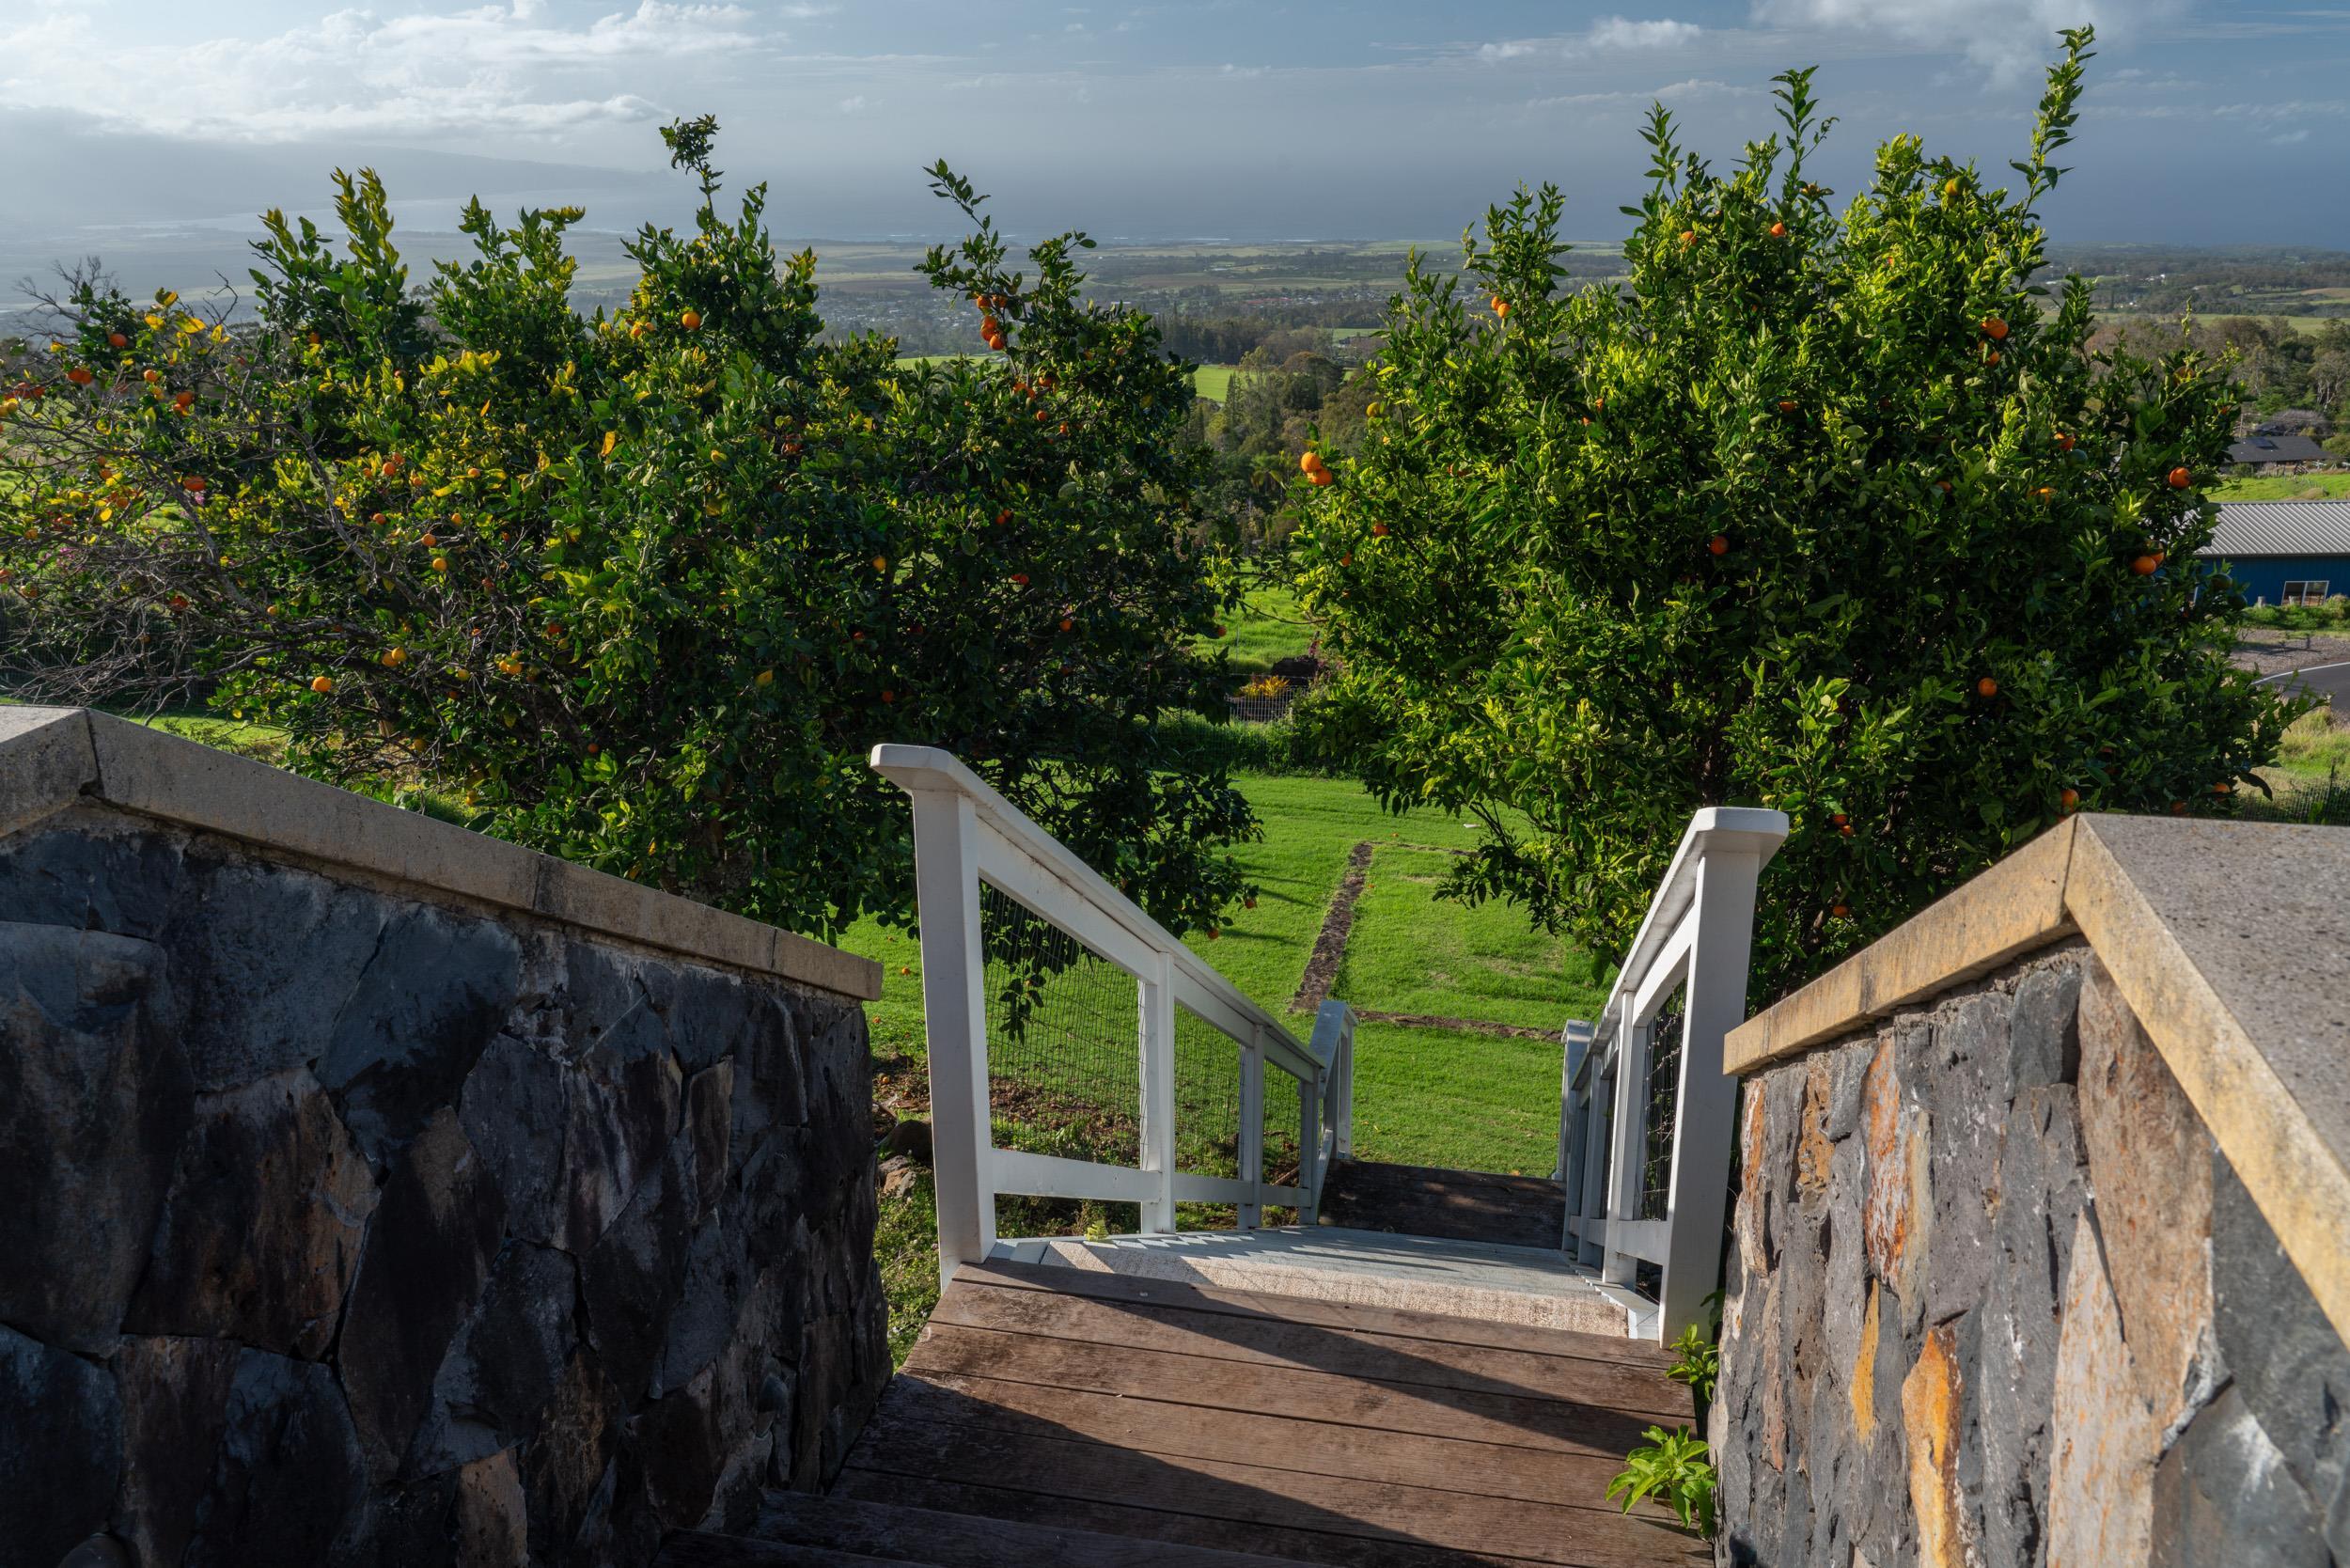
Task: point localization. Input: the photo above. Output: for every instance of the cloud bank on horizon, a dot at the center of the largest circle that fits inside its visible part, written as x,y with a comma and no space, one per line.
2207,120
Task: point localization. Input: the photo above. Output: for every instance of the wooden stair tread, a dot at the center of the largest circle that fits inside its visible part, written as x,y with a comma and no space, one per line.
865,1532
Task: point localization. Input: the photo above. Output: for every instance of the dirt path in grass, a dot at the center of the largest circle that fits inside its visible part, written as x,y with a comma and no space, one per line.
1322,965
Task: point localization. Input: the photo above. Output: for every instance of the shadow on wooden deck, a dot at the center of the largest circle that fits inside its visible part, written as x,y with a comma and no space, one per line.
1052,1416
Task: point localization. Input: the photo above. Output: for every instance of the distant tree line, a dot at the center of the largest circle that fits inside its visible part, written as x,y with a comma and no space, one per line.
2279,365
2232,279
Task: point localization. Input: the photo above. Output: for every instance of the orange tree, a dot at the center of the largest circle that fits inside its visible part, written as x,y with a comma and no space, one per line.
1831,512
641,590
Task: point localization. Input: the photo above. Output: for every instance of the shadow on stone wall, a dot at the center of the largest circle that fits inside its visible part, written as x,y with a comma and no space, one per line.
1996,1299
342,1227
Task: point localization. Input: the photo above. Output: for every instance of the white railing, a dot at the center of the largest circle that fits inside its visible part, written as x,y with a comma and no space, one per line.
1646,1128
964,834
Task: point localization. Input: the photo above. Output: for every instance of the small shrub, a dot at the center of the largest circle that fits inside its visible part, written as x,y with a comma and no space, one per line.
1697,1362
1672,1469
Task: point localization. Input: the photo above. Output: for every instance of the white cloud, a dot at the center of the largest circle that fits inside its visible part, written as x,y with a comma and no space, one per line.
1616,32
496,68
2008,39
1608,35
856,105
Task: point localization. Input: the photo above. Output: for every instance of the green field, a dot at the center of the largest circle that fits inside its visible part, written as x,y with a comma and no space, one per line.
1268,626
2285,487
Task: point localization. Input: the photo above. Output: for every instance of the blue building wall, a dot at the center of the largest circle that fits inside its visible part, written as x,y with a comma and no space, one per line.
2263,577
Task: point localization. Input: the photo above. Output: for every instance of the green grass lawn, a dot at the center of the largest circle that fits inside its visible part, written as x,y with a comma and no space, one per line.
2285,487
1268,626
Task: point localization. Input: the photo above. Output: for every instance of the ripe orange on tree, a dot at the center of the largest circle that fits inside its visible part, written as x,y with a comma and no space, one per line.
1778,231
116,340
322,684
2067,798
1719,545
1310,463
1986,687
1993,327
691,320
2181,479
2144,566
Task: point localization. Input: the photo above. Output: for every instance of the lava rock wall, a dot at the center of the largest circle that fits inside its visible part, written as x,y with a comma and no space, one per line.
1995,1298
340,1224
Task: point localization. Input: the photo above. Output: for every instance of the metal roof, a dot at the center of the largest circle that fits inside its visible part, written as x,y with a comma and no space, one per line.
2278,448
2280,528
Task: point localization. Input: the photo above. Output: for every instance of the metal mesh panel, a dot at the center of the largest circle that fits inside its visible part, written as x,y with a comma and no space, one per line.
1280,1128
1063,1067
1664,1098
1207,1098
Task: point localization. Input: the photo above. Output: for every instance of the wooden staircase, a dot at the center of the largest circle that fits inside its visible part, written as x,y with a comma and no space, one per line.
1050,1416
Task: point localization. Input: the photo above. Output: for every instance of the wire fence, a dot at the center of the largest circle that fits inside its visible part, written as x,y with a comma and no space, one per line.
1664,1097
1064,1075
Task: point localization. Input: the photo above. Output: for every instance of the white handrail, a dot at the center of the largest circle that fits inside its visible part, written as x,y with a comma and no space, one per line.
966,833
1696,940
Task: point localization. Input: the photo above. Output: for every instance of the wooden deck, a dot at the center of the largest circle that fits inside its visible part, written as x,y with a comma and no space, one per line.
1052,1416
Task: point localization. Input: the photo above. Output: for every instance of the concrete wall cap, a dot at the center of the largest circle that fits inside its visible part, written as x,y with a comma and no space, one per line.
2230,941
51,757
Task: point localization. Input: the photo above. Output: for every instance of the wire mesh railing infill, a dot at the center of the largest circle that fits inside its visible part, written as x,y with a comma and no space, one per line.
1064,1070
1664,1093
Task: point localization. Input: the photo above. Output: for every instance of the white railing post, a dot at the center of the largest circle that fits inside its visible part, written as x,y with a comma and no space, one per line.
1250,1155
1595,1157
1309,1148
954,1013
1629,1133
1696,940
1156,1037
1342,1086
1574,1043
1706,1107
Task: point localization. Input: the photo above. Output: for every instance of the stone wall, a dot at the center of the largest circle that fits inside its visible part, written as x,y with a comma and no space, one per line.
341,1224
1997,1299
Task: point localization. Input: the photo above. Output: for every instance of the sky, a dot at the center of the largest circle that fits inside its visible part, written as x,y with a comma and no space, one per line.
2208,121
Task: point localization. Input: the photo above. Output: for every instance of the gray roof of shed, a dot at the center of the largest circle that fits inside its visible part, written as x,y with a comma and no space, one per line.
2277,448
2248,528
